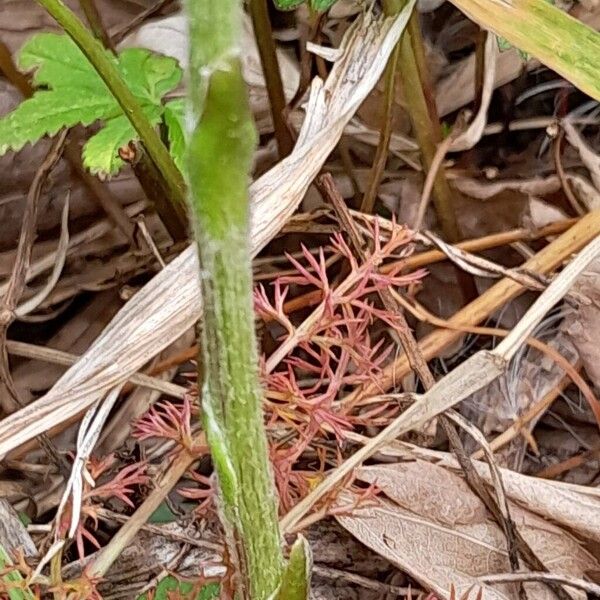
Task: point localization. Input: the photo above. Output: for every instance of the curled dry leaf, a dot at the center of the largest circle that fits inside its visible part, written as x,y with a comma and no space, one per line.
572,507
589,158
434,527
147,324
583,325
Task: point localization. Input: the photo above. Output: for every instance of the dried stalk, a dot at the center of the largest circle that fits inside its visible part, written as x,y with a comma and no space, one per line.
470,376
550,257
380,160
426,124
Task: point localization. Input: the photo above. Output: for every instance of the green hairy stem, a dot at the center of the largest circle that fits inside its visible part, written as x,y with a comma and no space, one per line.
219,160
100,60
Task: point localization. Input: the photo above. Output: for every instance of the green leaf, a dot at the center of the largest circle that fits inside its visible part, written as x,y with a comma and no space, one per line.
77,95
318,5
149,76
101,152
288,4
24,518
322,5
12,581
163,514
164,590
59,63
295,584
46,113
174,117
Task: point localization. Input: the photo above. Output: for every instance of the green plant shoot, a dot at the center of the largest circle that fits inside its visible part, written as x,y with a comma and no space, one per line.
219,160
316,5
70,92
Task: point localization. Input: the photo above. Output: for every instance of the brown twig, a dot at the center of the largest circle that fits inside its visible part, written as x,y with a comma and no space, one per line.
581,584
570,463
16,285
381,154
547,259
263,35
418,363
560,171
172,471
122,33
90,10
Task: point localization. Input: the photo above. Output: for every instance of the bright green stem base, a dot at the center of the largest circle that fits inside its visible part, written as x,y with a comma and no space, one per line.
219,161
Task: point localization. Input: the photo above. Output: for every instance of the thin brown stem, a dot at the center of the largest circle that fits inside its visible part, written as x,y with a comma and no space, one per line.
560,171
159,6
368,201
270,65
90,10
9,397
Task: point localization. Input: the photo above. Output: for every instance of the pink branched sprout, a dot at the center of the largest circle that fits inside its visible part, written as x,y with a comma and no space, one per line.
342,344
205,492
122,486
171,421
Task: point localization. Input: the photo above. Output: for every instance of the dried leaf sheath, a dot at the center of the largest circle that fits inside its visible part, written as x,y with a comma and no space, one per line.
219,160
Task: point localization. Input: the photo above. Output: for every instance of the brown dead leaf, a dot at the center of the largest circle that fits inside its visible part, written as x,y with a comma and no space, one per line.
434,528
573,507
583,325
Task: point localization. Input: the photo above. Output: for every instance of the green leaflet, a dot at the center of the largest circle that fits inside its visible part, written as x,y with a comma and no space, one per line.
12,582
295,584
174,118
318,5
171,587
75,94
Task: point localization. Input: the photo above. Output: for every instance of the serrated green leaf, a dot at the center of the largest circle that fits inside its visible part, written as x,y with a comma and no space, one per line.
148,75
77,95
58,62
288,4
46,113
171,584
322,5
101,151
174,117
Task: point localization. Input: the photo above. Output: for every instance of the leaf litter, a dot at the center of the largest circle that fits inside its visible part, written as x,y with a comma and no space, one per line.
334,372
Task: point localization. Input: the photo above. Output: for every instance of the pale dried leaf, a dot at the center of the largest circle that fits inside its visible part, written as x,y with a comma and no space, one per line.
439,532
583,325
589,158
467,139
573,507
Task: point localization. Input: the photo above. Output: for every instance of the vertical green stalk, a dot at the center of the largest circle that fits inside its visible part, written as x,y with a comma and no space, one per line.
219,160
